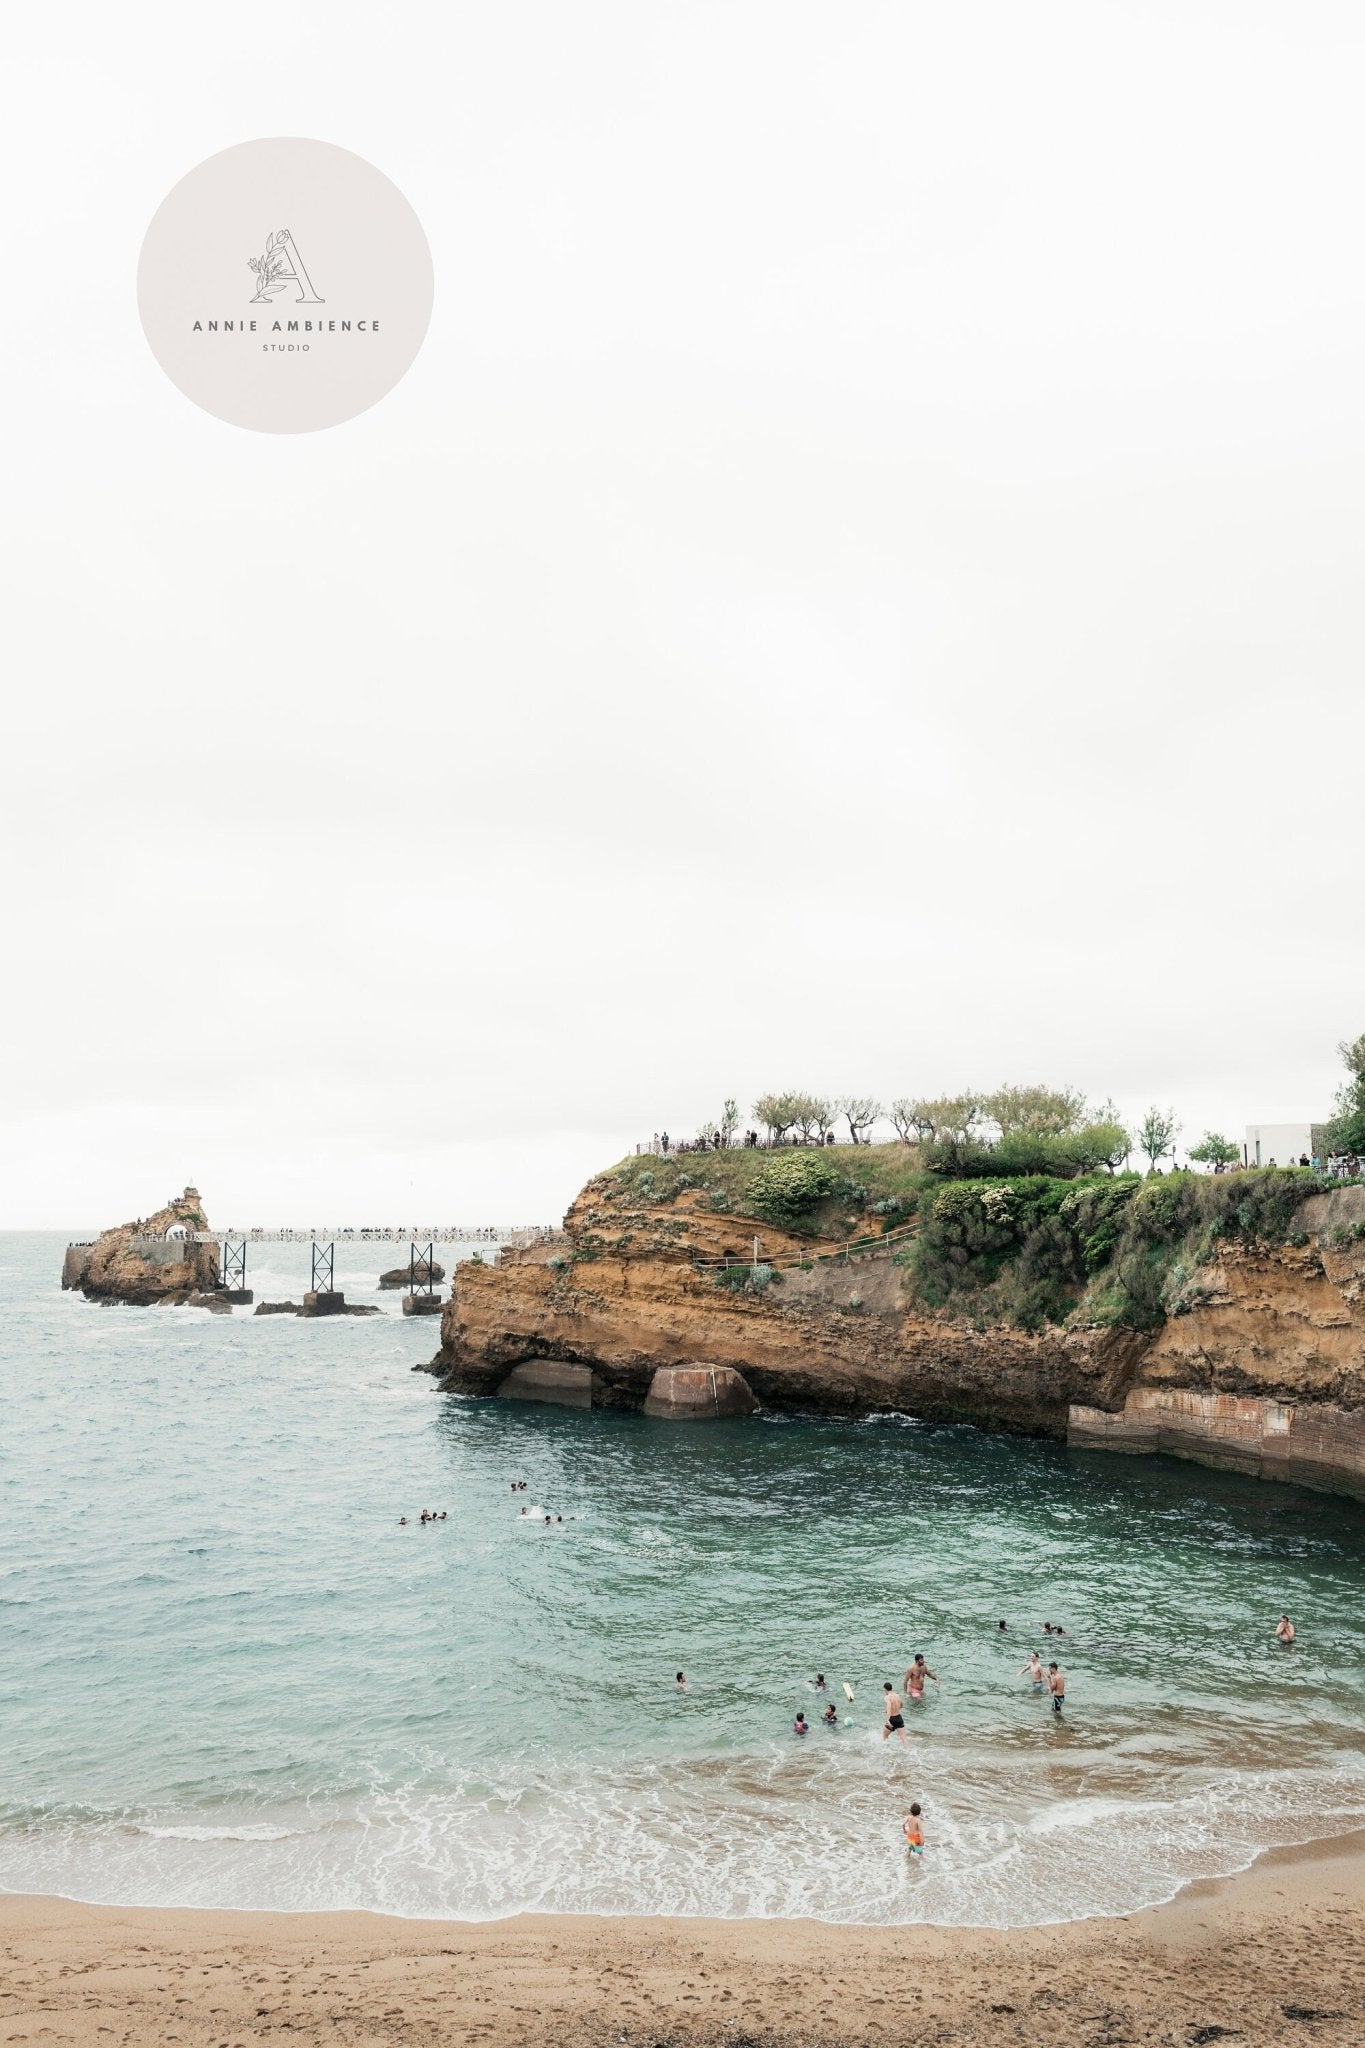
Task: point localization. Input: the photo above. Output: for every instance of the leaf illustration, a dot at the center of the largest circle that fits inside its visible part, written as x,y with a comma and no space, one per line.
253,262
269,244
278,287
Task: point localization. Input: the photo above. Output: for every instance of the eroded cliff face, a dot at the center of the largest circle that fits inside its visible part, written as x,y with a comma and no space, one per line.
1263,1371
629,1290
1280,1328
139,1264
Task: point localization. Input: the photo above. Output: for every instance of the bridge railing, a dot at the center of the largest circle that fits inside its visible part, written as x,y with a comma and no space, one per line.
399,1233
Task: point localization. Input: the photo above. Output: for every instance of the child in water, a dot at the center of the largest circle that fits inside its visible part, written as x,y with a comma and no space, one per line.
830,1717
800,1725
913,1831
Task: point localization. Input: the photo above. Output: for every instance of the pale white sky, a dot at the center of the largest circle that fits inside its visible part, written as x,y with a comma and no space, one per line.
859,590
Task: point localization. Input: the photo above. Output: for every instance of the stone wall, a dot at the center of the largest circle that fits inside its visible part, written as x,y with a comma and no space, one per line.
1313,1444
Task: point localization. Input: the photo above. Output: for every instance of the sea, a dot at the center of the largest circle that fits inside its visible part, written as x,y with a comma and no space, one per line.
230,1677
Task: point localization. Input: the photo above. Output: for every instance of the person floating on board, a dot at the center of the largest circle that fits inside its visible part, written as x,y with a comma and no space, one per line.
913,1831
1056,1685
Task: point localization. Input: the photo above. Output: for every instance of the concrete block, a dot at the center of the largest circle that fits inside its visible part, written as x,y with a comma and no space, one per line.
421,1304
323,1304
698,1393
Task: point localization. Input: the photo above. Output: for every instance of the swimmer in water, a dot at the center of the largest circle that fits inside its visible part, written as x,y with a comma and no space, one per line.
895,1715
913,1831
681,1683
916,1675
402,1521
800,1726
1056,1685
1034,1671
819,1681
830,1717
1284,1630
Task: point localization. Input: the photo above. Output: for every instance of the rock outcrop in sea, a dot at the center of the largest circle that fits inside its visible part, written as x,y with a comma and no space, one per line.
420,1272
1259,1366
152,1261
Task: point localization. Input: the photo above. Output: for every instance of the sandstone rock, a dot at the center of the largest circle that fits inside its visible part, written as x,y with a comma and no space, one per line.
277,1308
1275,1325
141,1264
698,1393
399,1276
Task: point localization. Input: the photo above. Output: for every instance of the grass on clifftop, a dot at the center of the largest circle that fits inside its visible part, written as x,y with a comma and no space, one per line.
815,1190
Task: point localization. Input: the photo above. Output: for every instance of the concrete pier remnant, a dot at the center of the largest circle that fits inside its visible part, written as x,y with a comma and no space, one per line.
317,1302
421,1304
699,1393
550,1379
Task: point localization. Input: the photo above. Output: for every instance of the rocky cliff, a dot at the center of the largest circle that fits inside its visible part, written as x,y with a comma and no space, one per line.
148,1261
1266,1346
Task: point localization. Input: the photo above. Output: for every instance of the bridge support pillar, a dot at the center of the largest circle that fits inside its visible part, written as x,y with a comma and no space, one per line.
421,1298
232,1285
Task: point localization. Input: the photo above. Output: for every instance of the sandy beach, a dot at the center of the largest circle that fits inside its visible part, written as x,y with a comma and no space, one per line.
1278,1952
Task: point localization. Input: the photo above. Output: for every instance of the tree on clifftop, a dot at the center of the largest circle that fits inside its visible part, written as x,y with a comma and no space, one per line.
1214,1149
1156,1134
1346,1132
729,1121
903,1115
952,1118
860,1113
777,1114
1035,1112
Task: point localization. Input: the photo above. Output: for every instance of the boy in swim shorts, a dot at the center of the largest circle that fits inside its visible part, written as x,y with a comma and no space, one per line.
913,1831
1056,1685
895,1715
1034,1671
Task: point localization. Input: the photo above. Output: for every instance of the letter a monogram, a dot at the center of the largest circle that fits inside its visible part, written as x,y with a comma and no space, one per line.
281,266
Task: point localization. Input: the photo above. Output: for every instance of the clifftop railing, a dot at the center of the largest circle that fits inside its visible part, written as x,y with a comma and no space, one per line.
857,1247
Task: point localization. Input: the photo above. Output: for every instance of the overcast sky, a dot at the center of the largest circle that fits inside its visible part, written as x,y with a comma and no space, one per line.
860,589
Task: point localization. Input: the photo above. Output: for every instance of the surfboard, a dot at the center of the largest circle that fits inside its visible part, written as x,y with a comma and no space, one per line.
848,1692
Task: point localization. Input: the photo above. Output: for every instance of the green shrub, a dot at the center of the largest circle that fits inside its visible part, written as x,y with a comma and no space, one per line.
789,1185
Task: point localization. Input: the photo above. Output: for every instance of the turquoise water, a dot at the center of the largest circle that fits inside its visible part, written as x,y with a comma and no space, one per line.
228,1677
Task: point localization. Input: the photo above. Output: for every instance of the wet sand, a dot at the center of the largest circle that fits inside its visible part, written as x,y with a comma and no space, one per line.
1277,1953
